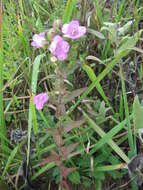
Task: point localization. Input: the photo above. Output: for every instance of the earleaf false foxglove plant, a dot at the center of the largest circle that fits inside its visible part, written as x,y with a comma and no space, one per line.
59,48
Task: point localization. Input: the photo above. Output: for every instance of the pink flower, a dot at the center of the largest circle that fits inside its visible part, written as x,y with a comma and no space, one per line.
73,30
38,40
40,100
59,48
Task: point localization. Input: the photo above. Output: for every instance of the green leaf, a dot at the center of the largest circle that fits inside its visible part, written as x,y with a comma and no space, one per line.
137,115
122,30
74,177
96,33
130,42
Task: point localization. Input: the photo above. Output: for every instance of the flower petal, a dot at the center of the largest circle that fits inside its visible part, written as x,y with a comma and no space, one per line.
65,46
62,56
74,23
42,34
65,28
82,30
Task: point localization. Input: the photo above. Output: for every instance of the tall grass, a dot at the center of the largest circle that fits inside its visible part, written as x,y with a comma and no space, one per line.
2,120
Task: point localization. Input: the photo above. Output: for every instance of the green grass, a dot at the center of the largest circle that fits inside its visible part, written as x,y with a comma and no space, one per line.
2,119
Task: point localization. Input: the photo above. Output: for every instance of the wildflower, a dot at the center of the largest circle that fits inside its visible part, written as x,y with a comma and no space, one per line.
40,100
59,48
73,30
38,40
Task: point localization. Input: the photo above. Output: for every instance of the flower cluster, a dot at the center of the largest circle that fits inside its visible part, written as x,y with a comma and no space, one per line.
59,47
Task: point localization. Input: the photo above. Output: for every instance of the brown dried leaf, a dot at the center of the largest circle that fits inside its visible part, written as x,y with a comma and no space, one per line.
73,124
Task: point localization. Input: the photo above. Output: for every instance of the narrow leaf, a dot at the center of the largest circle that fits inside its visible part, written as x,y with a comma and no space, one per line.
68,10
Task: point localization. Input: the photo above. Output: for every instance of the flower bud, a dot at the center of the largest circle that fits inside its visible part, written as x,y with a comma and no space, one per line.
51,33
57,24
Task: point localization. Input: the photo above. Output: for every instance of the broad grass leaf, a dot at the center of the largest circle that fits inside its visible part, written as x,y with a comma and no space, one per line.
35,72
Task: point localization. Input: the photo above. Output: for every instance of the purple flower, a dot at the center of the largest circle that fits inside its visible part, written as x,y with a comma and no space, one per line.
59,48
38,40
40,100
73,30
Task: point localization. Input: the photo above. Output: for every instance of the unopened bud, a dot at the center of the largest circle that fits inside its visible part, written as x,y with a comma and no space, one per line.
51,33
53,59
57,24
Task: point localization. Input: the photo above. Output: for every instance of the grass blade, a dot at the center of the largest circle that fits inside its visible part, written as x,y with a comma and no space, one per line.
32,114
108,136
2,120
68,10
93,78
98,79
130,137
111,143
10,159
